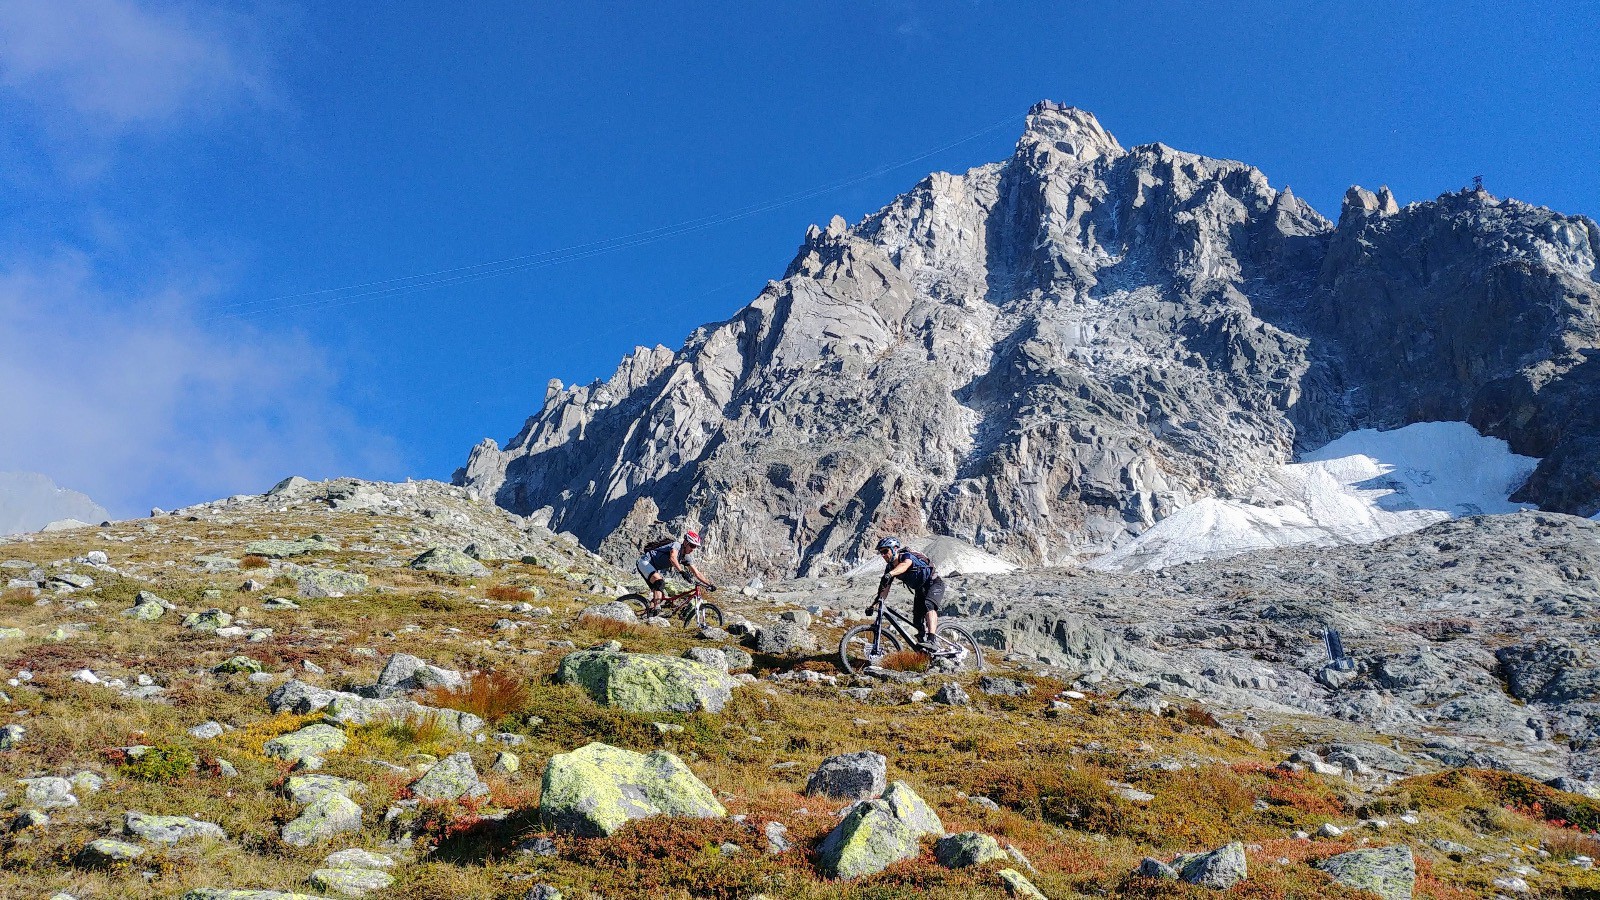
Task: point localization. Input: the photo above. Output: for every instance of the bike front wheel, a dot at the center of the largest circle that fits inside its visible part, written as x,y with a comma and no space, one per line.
957,650
640,604
707,615
856,648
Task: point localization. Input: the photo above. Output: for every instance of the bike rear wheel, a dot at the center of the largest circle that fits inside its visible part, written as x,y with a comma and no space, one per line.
965,654
855,648
708,616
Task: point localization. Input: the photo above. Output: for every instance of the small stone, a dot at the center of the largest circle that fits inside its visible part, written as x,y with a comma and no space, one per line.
30,818
850,776
543,892
170,829
11,736
307,788
1017,885
951,694
105,852
969,848
1221,868
312,740
1329,830
1155,868
351,882
355,858
328,815
452,778
237,665
777,835
48,793
505,763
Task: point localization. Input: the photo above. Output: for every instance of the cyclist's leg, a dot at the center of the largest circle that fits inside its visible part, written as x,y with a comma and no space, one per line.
919,616
653,578
933,597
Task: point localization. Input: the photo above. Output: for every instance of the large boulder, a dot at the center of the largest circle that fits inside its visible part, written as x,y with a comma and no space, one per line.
597,788
451,778
878,833
450,562
1390,872
1221,868
640,682
347,709
850,776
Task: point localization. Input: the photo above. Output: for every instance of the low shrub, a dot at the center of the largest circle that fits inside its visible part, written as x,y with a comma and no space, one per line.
17,597
905,661
506,593
609,629
491,696
420,729
254,561
164,764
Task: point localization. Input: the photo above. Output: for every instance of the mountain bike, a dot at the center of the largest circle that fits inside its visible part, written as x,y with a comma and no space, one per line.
954,648
690,606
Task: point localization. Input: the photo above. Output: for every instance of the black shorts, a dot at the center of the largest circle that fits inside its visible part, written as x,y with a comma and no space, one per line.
929,598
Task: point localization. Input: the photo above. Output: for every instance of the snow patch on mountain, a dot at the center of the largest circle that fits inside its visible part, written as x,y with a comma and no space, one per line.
1362,487
950,556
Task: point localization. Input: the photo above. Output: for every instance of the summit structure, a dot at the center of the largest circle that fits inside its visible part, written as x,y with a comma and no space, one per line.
1047,355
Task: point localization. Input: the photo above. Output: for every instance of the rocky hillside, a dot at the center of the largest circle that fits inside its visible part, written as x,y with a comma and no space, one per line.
347,689
1046,355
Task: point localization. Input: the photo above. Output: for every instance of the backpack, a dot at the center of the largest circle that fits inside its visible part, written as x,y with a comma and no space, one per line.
921,563
653,546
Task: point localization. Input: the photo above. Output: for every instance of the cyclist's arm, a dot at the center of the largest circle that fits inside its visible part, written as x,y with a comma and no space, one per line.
696,573
889,576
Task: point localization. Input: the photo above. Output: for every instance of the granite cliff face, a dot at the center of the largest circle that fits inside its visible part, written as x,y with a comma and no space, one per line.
1046,355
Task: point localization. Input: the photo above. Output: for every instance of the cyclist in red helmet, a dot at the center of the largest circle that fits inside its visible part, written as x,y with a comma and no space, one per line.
668,556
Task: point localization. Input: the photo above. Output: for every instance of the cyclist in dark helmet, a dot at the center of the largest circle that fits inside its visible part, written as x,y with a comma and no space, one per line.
917,573
668,556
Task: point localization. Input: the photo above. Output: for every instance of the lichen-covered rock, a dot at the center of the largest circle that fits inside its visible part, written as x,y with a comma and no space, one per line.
170,829
969,848
780,638
312,740
878,833
1390,872
228,894
237,665
315,582
1221,868
330,814
451,778
612,610
278,549
207,620
350,710
597,788
1150,867
404,672
145,612
450,562
12,634
850,776
351,882
1018,885
11,736
48,793
105,852
306,788
639,682
356,858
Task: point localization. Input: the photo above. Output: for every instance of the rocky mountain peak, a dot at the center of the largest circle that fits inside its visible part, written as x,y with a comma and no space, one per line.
1065,133
1046,355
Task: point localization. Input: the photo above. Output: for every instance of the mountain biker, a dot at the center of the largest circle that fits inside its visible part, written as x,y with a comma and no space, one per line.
668,556
916,572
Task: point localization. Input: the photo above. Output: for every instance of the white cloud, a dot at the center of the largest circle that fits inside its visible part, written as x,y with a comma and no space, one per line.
117,63
129,397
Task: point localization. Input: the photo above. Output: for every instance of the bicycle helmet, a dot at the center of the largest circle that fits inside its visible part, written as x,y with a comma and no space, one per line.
888,543
691,538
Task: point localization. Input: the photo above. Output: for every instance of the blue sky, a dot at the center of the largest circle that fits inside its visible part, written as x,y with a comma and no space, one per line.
178,178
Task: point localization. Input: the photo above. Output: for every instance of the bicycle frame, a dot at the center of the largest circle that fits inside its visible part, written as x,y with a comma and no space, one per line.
896,621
